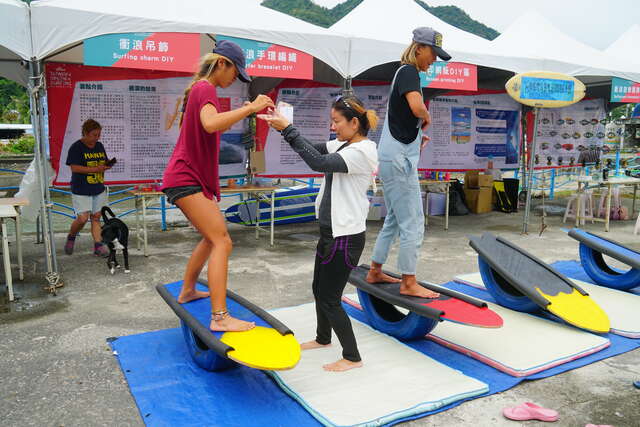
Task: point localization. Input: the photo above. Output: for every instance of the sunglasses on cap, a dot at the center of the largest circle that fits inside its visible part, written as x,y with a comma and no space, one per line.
345,102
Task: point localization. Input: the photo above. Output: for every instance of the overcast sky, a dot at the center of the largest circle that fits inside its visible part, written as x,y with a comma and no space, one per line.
597,23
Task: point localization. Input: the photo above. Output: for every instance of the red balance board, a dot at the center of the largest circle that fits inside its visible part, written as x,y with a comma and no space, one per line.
450,305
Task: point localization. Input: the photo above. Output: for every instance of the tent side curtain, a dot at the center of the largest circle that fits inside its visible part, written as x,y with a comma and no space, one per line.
61,23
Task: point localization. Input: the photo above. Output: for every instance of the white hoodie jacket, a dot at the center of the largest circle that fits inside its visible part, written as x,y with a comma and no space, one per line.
349,201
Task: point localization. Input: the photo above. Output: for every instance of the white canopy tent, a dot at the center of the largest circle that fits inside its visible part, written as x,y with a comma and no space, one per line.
56,29
15,40
61,24
533,36
626,46
380,30
16,63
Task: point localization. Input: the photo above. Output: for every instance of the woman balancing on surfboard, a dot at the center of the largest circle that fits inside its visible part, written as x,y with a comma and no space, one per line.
348,163
399,151
191,179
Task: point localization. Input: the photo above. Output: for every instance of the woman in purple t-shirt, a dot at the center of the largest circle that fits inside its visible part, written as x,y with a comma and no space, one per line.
191,179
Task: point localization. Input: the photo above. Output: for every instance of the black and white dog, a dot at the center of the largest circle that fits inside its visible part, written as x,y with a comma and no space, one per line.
115,234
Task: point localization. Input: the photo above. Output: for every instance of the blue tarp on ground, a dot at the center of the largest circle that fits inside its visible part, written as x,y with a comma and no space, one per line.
169,389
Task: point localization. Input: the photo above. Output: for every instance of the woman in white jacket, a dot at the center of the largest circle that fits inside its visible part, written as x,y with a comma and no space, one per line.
348,163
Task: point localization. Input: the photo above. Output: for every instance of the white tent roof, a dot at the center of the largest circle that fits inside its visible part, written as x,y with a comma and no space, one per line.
15,41
627,46
60,23
533,36
14,21
381,30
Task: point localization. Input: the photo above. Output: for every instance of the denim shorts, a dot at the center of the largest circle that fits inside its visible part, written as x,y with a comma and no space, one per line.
175,193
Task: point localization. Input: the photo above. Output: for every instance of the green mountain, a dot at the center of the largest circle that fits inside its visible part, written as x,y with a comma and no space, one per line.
458,18
311,12
324,17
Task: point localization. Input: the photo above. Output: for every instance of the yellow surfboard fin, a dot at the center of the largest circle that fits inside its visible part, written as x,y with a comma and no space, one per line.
578,310
263,348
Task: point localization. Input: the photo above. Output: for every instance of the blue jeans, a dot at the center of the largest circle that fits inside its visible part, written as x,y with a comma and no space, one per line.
405,216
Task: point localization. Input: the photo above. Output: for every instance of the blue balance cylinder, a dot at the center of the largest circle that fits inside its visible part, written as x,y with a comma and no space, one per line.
386,318
596,267
504,294
204,357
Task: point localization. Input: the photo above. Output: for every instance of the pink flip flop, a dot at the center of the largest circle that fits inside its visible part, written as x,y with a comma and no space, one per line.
529,411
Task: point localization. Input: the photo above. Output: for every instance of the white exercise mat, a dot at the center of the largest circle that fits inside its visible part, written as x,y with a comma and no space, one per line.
524,345
395,382
621,307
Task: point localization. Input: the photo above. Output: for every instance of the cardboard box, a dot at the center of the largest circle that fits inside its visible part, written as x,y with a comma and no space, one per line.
475,179
479,199
256,159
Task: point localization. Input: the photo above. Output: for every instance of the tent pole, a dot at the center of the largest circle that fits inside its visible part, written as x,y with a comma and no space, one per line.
347,90
523,151
532,153
36,94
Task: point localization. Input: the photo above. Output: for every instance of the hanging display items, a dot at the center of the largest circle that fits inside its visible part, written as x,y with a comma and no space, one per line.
564,133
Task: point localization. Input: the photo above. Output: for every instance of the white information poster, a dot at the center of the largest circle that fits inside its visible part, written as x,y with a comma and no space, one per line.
140,125
466,131
563,133
312,117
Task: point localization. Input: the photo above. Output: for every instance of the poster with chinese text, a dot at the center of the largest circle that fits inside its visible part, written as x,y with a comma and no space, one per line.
139,114
466,131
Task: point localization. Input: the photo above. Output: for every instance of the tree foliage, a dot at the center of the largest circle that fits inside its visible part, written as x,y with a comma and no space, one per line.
14,102
311,12
458,18
324,17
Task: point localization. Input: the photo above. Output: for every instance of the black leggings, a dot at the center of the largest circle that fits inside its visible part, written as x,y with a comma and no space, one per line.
335,258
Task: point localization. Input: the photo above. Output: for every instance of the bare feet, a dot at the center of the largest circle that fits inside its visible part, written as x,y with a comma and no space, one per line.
375,275
231,324
310,345
186,296
342,365
411,287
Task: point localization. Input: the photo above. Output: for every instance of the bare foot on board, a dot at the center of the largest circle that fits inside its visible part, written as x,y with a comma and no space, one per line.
417,291
377,276
411,287
310,345
231,324
341,365
186,296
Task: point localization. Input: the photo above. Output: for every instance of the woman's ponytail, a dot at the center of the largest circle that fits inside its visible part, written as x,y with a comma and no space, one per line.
372,119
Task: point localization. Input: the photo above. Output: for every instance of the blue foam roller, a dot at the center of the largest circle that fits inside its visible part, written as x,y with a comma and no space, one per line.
387,319
596,267
504,294
204,357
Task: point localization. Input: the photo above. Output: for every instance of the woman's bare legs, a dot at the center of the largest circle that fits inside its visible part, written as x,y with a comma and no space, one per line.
215,247
199,256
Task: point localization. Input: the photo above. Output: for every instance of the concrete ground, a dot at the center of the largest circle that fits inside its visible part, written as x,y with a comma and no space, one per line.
56,368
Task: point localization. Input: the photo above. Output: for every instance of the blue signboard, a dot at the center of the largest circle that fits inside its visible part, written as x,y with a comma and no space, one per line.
535,88
624,90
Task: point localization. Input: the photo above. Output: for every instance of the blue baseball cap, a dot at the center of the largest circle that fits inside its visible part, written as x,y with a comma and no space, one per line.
235,53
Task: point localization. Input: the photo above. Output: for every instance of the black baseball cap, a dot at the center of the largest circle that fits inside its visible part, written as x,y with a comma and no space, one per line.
431,37
235,53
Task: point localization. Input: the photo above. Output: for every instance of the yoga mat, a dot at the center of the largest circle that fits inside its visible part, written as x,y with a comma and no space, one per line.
534,344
